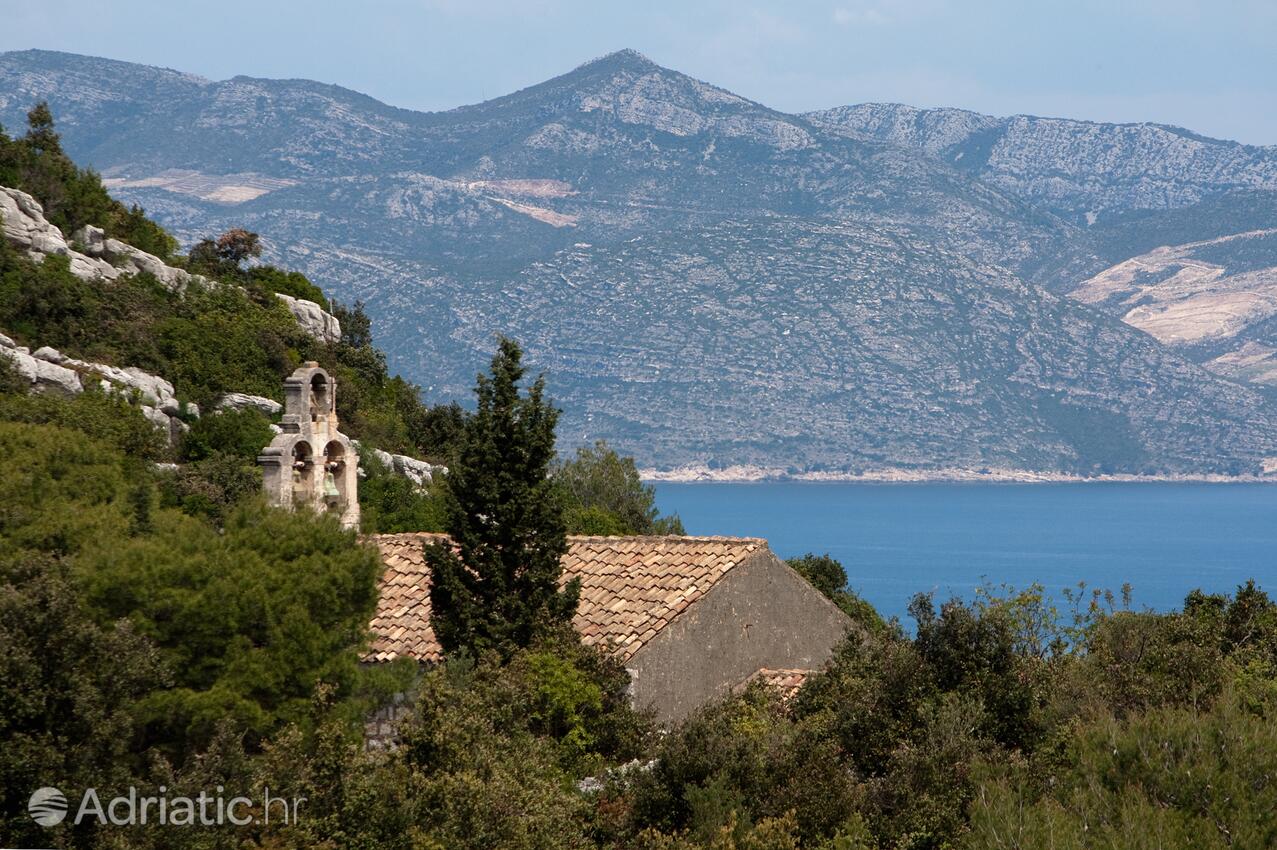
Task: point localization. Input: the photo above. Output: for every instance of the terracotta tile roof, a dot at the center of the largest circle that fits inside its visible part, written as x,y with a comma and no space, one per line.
631,588
786,682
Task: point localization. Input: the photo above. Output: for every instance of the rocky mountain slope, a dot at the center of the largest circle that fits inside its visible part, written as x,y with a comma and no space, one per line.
1079,169
1216,298
706,280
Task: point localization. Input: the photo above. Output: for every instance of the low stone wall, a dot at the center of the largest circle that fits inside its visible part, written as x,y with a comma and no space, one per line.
381,729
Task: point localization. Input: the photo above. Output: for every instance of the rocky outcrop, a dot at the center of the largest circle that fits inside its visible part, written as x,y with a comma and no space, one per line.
49,370
313,319
43,375
240,401
152,390
93,256
94,243
101,259
418,472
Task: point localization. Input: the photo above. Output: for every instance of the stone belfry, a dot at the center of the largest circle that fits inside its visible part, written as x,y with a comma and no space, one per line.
311,463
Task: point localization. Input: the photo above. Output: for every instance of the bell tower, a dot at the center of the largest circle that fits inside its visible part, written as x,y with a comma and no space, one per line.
312,464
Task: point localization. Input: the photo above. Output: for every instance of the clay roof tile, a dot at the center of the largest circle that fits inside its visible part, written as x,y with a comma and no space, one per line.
632,587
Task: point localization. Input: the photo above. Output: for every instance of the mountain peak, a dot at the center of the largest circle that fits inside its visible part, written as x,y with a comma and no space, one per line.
625,58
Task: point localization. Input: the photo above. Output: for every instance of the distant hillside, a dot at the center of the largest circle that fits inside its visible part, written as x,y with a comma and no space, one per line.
706,280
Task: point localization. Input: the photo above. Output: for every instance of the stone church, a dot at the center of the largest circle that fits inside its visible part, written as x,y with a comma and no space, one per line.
691,618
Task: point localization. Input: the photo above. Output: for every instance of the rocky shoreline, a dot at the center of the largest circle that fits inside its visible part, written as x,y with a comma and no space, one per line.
749,474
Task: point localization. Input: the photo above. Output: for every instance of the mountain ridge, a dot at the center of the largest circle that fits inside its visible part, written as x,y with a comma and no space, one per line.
706,280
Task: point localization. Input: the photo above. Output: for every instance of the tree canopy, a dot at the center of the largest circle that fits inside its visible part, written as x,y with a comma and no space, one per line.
499,589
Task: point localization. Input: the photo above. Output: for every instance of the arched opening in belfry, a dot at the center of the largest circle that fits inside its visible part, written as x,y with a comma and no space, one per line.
335,495
320,404
303,474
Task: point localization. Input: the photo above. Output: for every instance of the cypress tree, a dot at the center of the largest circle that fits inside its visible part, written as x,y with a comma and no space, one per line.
497,586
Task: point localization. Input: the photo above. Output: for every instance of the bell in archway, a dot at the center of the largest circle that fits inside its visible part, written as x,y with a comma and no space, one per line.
330,486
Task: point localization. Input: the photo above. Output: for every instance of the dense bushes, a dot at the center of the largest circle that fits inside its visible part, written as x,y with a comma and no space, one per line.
828,576
111,418
69,689
1170,777
248,617
241,433
228,657
602,494
390,503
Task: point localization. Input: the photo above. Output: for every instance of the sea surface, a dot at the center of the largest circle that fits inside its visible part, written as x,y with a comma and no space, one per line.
895,540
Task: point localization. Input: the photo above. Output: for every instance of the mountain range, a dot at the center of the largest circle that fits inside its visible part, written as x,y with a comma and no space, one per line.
710,283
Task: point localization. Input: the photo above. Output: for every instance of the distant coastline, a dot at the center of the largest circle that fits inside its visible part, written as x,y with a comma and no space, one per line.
747,474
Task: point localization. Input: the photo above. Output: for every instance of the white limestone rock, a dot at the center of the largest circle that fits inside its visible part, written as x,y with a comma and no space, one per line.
43,375
239,401
152,386
101,258
419,472
313,319
154,390
25,226
172,427
90,240
157,417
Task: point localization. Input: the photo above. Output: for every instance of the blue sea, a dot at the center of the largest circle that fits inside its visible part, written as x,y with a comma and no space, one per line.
895,540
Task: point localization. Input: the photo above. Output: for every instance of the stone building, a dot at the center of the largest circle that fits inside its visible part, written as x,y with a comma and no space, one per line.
310,463
691,618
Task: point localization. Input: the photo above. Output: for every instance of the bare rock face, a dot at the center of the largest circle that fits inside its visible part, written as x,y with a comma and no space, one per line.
132,260
152,389
103,259
1214,298
711,282
1076,168
313,319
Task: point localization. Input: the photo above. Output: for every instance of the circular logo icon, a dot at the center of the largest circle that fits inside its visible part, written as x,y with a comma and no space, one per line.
48,806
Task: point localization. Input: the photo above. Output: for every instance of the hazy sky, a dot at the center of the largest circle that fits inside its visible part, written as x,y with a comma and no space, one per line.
1208,66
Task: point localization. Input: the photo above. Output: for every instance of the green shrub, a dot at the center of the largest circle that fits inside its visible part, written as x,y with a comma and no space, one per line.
211,487
61,490
70,690
603,495
390,503
107,417
11,380
1171,777
296,284
251,619
239,433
